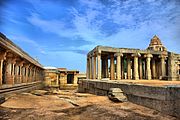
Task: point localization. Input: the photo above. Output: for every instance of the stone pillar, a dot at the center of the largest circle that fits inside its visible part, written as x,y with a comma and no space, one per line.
153,69
87,68
26,73
140,69
112,67
106,67
13,70
118,66
162,64
171,67
21,72
2,58
103,67
34,74
148,66
1,71
9,78
128,68
16,79
30,73
94,67
122,68
136,72
99,66
90,68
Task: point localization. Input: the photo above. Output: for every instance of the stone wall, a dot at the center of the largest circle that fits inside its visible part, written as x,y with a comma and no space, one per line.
165,99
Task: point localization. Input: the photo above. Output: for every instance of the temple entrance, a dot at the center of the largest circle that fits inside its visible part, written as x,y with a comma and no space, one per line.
70,78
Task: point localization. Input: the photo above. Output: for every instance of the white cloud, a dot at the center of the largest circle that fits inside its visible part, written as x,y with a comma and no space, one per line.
28,41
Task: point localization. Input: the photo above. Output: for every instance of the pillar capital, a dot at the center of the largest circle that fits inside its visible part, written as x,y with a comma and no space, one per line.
162,56
136,55
27,65
148,55
98,53
3,55
119,54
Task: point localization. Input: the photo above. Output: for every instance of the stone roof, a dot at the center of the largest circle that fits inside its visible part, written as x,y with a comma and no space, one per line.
155,41
50,67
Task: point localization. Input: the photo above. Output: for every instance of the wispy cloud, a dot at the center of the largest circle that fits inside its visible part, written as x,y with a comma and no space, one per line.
26,40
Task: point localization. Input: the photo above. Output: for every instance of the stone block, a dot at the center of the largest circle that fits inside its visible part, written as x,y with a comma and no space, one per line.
116,94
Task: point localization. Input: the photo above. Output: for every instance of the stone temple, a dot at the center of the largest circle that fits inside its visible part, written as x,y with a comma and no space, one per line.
155,62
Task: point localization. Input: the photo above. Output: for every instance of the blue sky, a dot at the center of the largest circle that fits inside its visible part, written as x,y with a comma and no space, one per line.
61,32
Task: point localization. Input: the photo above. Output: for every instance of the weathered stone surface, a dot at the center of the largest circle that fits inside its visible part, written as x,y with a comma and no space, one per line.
39,92
2,99
116,94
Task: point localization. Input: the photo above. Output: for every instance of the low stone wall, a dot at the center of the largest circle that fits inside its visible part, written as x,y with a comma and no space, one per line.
24,87
165,99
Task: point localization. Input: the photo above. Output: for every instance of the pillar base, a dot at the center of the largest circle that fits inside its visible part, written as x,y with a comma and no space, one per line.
136,78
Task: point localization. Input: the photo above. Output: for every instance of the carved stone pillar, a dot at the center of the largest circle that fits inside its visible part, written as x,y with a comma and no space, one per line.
153,69
87,68
1,71
163,65
103,67
94,67
122,68
136,72
9,77
118,66
90,67
140,69
34,74
128,68
99,66
148,66
106,67
26,72
2,58
112,67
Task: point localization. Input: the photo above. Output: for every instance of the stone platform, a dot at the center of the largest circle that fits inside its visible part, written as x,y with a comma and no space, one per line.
163,96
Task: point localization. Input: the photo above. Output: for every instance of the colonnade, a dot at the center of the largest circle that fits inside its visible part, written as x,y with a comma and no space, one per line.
16,70
126,66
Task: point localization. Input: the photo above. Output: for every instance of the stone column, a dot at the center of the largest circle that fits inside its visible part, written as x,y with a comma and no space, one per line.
122,68
30,74
21,71
163,67
106,67
103,67
148,66
171,67
99,66
118,66
112,67
34,74
2,58
136,72
128,68
153,69
90,67
9,78
140,69
26,73
13,70
94,67
1,71
87,68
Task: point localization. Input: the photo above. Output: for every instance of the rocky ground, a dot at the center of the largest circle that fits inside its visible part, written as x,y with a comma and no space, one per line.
69,105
